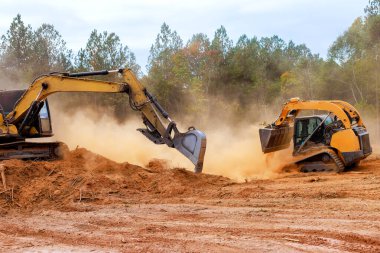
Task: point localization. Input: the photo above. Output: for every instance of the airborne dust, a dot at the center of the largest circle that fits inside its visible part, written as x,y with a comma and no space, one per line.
234,152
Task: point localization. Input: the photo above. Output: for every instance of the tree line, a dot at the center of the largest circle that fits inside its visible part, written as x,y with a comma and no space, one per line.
205,73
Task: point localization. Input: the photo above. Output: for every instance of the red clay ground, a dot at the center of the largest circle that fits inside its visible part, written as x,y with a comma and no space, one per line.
88,203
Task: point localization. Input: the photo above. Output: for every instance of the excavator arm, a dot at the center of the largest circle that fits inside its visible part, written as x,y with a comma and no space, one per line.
159,126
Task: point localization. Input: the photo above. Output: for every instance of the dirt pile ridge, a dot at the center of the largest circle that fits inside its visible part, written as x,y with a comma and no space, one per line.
87,177
89,203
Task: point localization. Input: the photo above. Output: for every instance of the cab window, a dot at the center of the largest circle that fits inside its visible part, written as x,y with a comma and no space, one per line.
304,128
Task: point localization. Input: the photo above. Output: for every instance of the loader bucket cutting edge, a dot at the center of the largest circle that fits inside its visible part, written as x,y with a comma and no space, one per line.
274,139
192,144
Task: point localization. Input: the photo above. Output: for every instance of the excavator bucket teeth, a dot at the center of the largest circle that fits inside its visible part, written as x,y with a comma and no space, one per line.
192,144
274,139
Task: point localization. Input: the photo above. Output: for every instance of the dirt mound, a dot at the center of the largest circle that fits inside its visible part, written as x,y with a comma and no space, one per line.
87,177
101,205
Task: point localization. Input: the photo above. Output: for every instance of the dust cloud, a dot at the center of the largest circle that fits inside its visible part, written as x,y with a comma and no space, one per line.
233,150
234,153
9,83
5,84
103,135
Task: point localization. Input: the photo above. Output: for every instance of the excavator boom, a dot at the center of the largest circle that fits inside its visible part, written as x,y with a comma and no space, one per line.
160,128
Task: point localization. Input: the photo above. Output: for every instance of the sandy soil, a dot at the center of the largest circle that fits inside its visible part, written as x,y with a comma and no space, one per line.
88,203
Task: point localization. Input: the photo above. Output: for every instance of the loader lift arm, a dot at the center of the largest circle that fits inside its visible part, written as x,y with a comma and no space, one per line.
343,110
159,126
278,135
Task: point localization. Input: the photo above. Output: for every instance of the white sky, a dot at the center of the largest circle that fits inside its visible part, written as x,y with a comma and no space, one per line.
316,23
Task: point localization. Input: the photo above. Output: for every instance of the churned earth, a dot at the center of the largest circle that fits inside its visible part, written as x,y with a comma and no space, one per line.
89,203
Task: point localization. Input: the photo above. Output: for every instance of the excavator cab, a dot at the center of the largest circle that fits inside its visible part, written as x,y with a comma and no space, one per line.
40,126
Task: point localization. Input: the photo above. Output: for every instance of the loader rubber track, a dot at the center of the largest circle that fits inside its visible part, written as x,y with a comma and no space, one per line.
338,162
334,165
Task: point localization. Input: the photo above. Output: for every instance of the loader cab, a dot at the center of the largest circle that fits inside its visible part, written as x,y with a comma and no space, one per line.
305,126
40,126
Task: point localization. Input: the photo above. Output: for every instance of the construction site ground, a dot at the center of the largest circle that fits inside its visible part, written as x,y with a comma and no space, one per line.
89,203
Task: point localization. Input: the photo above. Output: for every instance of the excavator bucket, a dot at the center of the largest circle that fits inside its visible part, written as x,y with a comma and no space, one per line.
274,139
192,144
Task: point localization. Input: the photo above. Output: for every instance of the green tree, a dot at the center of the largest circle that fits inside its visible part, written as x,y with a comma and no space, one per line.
373,8
17,50
167,69
105,51
373,21
244,69
195,62
167,43
50,51
196,50
221,42
26,54
351,44
220,48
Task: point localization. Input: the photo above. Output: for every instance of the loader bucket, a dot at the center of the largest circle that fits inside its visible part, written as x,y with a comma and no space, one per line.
192,144
274,139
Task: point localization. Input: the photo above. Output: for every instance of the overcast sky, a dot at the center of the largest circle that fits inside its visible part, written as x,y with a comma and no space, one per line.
314,22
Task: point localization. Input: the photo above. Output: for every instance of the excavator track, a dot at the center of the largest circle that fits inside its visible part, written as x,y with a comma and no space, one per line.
325,160
32,150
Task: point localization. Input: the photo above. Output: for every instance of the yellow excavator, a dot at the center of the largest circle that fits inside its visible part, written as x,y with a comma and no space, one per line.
25,114
332,141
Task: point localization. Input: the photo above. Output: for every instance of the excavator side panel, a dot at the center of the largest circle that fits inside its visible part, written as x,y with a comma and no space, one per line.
8,99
